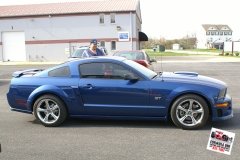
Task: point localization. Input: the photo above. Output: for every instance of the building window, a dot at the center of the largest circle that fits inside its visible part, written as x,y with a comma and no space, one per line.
210,39
212,33
225,33
229,33
113,45
102,43
217,33
208,33
101,18
221,33
112,17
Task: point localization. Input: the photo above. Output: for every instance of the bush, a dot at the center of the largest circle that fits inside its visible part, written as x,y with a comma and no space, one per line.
237,54
231,54
161,48
226,54
220,54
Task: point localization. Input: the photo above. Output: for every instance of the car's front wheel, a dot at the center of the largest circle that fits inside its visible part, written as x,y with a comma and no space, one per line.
50,110
189,112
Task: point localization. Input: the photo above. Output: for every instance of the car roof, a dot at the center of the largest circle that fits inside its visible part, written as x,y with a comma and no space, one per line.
83,47
130,51
97,58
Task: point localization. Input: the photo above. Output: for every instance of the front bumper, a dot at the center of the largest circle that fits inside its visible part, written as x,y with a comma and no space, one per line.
222,113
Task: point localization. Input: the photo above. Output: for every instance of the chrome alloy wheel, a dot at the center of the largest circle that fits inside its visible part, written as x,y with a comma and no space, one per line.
190,112
48,111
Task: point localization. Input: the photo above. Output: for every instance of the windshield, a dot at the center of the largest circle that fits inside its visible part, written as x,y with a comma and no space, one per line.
79,52
132,55
145,71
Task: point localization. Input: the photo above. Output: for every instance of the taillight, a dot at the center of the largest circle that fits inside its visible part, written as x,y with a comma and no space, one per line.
142,62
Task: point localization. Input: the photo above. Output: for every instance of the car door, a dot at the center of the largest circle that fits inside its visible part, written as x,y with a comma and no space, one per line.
105,91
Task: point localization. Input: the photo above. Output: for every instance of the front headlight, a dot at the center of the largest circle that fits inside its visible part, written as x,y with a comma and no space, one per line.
222,93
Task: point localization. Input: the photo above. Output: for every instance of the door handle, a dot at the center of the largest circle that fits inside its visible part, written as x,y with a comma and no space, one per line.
88,86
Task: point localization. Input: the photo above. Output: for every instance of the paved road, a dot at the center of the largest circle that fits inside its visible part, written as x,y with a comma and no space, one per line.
23,138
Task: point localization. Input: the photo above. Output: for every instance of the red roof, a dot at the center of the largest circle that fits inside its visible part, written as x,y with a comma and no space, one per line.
82,7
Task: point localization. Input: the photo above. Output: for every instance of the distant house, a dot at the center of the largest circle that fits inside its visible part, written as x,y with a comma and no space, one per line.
214,36
50,32
176,46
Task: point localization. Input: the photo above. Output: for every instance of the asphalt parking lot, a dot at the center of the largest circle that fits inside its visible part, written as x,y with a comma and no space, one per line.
22,137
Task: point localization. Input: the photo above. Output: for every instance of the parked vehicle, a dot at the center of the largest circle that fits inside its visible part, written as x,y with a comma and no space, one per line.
118,88
79,52
138,56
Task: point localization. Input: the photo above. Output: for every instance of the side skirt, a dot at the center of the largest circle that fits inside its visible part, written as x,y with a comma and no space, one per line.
20,110
118,117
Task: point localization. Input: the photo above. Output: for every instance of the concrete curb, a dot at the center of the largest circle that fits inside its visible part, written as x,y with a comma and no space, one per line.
210,60
195,52
28,63
197,59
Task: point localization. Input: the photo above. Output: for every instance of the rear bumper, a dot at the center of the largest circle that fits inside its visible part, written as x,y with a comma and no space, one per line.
18,105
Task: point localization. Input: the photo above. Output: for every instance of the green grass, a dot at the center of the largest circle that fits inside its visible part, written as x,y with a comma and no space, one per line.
151,54
156,54
205,50
230,55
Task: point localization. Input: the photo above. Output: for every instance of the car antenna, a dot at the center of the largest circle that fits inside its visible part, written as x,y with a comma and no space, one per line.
161,65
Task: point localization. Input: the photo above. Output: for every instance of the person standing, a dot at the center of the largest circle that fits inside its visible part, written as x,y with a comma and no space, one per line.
92,50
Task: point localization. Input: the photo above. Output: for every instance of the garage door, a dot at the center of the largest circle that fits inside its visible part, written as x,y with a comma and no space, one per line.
13,46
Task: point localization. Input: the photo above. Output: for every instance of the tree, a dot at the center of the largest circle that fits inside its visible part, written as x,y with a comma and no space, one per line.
187,42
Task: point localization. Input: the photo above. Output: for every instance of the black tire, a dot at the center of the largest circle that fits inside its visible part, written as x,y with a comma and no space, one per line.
225,138
187,117
53,113
213,134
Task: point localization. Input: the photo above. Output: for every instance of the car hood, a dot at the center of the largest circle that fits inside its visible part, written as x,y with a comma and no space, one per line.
191,77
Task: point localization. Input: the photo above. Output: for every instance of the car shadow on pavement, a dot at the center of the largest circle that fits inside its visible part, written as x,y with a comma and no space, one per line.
85,123
231,124
75,122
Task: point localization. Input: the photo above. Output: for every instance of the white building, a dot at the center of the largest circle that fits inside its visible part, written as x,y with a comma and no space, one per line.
176,46
213,36
44,32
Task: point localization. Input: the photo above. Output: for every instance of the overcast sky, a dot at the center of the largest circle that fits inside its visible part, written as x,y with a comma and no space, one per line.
176,18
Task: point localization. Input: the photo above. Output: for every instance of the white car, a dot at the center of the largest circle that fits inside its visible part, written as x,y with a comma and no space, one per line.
79,52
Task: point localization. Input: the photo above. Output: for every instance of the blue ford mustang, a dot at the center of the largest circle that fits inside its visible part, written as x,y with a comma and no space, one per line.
114,87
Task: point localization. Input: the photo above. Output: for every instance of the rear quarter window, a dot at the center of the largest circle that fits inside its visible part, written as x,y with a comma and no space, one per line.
60,72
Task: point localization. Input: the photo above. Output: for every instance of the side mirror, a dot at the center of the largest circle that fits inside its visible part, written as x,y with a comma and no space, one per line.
131,78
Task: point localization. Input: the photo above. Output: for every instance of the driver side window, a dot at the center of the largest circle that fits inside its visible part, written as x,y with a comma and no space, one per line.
106,70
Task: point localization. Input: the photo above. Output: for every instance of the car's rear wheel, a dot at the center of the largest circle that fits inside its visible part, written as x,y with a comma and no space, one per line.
189,112
50,110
